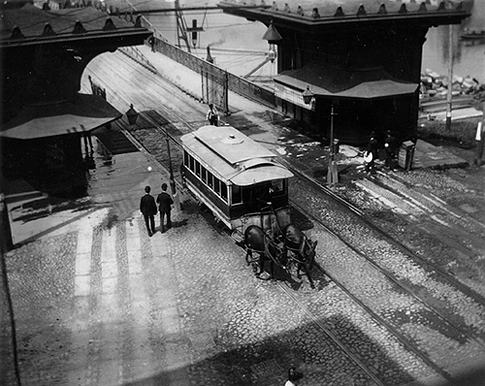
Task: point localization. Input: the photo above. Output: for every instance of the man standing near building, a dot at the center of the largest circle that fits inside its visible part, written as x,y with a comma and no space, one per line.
165,206
213,115
389,147
149,210
371,154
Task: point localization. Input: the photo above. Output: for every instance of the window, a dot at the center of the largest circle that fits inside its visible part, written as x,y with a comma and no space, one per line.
186,159
197,168
217,185
210,179
224,191
191,163
204,174
278,187
236,194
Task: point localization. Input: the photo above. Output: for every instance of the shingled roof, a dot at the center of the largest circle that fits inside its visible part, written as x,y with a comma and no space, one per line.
312,12
31,23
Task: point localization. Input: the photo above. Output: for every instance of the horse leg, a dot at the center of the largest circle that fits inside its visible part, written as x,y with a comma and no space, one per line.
298,270
307,272
259,266
249,255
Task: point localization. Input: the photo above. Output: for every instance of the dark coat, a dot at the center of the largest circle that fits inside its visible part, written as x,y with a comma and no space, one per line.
390,144
148,206
372,148
165,201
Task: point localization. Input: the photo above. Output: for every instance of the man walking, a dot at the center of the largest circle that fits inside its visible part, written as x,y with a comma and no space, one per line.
149,209
213,115
165,206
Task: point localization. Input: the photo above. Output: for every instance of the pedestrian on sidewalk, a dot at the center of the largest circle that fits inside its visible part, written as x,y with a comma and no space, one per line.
390,148
371,154
165,206
148,208
212,115
151,40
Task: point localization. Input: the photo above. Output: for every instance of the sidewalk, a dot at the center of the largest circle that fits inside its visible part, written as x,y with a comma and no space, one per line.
116,186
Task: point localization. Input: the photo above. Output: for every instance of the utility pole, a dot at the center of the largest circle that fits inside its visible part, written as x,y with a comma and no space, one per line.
172,178
450,78
332,174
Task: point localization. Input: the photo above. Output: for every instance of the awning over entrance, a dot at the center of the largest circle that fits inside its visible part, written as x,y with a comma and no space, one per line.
82,114
329,81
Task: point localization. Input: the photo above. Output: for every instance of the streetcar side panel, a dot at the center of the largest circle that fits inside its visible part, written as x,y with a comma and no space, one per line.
207,186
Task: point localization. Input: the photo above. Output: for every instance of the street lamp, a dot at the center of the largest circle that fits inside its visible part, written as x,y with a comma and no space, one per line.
307,95
132,115
273,37
172,178
332,174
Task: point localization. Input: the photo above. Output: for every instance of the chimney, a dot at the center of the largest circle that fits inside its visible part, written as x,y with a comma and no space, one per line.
209,58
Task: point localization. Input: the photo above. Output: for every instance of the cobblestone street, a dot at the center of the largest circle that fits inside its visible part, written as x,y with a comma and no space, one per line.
99,302
112,306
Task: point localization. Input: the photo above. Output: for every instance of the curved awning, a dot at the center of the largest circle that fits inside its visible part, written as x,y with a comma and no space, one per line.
82,114
260,174
327,81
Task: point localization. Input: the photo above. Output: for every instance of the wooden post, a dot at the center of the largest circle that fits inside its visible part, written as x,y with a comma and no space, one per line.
450,78
332,174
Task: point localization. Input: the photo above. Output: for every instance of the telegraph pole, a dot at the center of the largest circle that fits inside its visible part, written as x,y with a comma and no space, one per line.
450,78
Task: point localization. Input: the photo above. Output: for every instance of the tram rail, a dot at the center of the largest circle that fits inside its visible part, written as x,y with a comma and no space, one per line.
185,126
163,129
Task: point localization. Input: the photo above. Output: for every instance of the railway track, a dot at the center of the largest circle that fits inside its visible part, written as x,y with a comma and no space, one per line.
430,266
469,333
439,317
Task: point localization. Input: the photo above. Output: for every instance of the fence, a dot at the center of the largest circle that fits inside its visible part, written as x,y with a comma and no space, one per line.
208,70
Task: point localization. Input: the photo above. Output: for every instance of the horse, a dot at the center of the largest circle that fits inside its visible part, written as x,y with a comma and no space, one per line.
256,240
302,250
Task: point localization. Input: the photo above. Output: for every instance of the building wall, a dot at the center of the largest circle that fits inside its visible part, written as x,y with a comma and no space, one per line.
398,50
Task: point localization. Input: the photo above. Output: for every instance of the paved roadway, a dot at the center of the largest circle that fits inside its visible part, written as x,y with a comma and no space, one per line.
98,302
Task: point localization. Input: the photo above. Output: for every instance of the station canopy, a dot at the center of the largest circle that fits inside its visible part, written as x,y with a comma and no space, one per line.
327,81
81,114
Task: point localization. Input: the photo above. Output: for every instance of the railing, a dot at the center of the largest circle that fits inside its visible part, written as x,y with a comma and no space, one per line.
235,83
135,54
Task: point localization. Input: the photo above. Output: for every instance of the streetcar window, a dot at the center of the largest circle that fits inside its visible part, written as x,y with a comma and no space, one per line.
217,185
197,168
277,186
191,163
210,179
204,174
186,159
236,194
224,191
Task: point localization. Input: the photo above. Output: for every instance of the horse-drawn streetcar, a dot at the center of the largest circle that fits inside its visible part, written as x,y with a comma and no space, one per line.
236,178
240,181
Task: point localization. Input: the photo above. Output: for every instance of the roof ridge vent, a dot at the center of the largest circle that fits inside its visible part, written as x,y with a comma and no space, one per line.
422,8
48,30
403,9
231,139
17,33
382,10
361,11
339,12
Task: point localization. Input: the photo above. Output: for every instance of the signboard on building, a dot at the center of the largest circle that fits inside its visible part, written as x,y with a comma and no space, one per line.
293,96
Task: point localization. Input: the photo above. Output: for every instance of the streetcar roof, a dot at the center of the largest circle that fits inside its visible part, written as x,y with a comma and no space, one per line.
234,156
263,173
